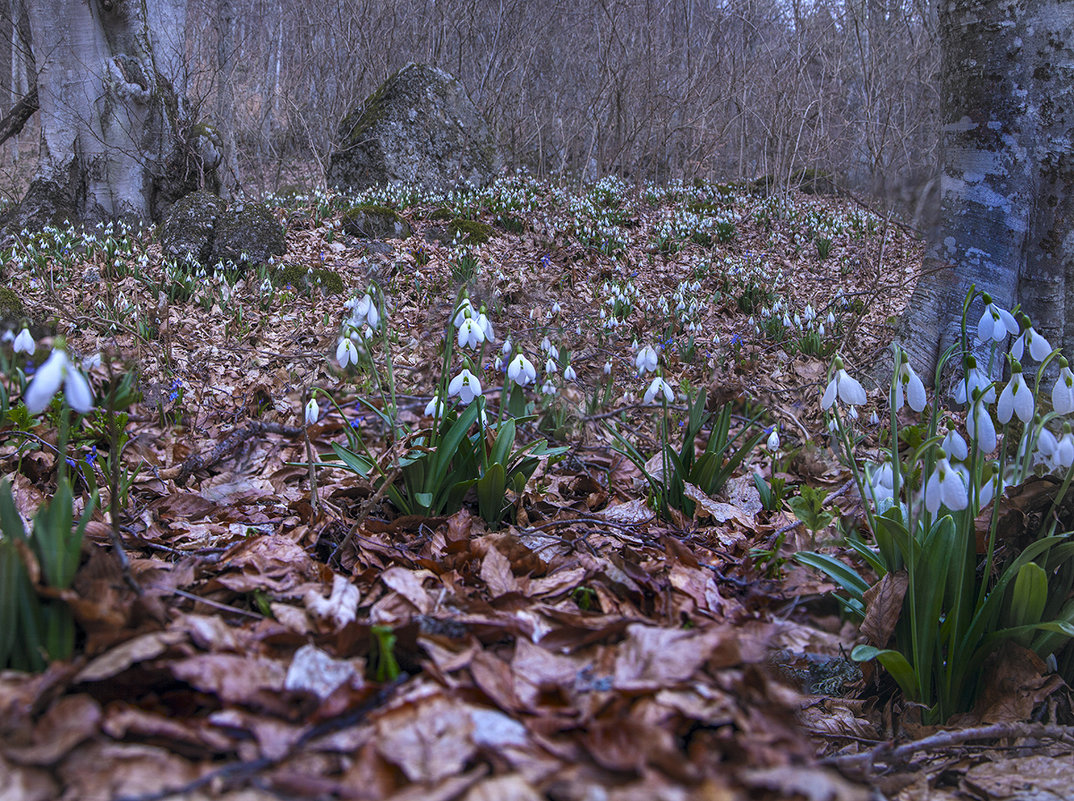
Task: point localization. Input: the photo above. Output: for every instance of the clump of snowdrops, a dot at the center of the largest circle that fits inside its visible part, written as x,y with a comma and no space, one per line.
930,488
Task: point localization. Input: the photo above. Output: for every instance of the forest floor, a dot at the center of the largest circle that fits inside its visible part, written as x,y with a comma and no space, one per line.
289,639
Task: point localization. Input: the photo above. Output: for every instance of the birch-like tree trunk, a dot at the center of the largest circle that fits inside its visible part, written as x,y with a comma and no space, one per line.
116,140
1007,190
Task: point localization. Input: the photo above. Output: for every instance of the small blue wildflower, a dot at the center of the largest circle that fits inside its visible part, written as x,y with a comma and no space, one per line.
30,368
71,462
736,339
91,457
356,423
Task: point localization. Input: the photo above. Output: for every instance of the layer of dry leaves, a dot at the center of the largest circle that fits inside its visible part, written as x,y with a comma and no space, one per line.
590,651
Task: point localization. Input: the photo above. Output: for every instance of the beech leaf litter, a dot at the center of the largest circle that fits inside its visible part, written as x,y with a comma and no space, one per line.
275,639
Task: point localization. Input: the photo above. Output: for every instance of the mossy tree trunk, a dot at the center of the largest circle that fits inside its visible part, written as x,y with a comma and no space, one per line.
116,135
1007,109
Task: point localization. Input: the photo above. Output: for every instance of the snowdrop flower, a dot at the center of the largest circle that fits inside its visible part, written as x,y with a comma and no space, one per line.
831,318
946,487
995,323
555,308
434,408
569,374
507,347
1016,398
58,370
470,333
607,368
976,379
486,327
955,445
1047,448
1063,391
980,426
466,385
659,386
772,443
313,411
1064,454
346,353
842,386
521,370
546,346
548,388
464,311
820,330
24,343
366,309
1039,347
550,366
880,487
497,363
646,360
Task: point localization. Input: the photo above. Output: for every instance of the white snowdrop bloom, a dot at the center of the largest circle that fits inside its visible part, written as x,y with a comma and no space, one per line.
607,368
976,379
874,418
852,412
772,443
955,446
546,346
946,487
1047,448
24,343
346,353
809,313
996,323
831,318
646,360
833,426
521,370
486,327
550,366
1063,391
844,387
92,362
1016,398
820,330
463,311
497,363
1039,347
366,309
988,491
555,308
466,385
507,347
879,487
548,388
659,386
786,321
56,371
569,374
470,334
313,411
980,426
797,320
1064,454
434,408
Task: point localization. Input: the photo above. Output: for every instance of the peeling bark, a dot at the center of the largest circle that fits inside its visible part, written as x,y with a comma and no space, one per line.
1007,99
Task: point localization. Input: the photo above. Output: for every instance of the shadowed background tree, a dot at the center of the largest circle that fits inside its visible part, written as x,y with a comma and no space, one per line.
117,136
1007,196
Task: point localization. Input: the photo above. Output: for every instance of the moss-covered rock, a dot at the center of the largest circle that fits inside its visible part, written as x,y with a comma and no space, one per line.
419,128
12,309
369,221
441,214
302,278
248,234
189,227
470,231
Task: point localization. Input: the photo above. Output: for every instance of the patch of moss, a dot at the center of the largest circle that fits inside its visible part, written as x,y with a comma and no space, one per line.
354,126
476,233
371,221
300,278
12,308
441,214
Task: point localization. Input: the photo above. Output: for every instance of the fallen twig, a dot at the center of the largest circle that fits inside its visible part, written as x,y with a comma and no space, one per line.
181,473
893,756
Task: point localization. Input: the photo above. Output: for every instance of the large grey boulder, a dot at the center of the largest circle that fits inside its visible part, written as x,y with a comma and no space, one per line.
418,128
187,232
248,234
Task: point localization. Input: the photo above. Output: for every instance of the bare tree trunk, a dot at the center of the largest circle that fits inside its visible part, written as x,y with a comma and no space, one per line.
115,141
990,153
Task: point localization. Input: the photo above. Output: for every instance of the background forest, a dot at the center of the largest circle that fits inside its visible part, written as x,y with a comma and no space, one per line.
646,89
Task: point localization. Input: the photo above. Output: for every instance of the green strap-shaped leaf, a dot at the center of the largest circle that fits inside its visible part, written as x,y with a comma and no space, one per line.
894,663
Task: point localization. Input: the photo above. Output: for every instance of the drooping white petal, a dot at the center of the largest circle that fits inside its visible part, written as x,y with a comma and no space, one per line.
1064,455
24,343
1039,347
982,429
1023,399
954,445
933,492
1005,407
850,390
346,353
830,393
1063,392
76,390
46,382
953,492
313,411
